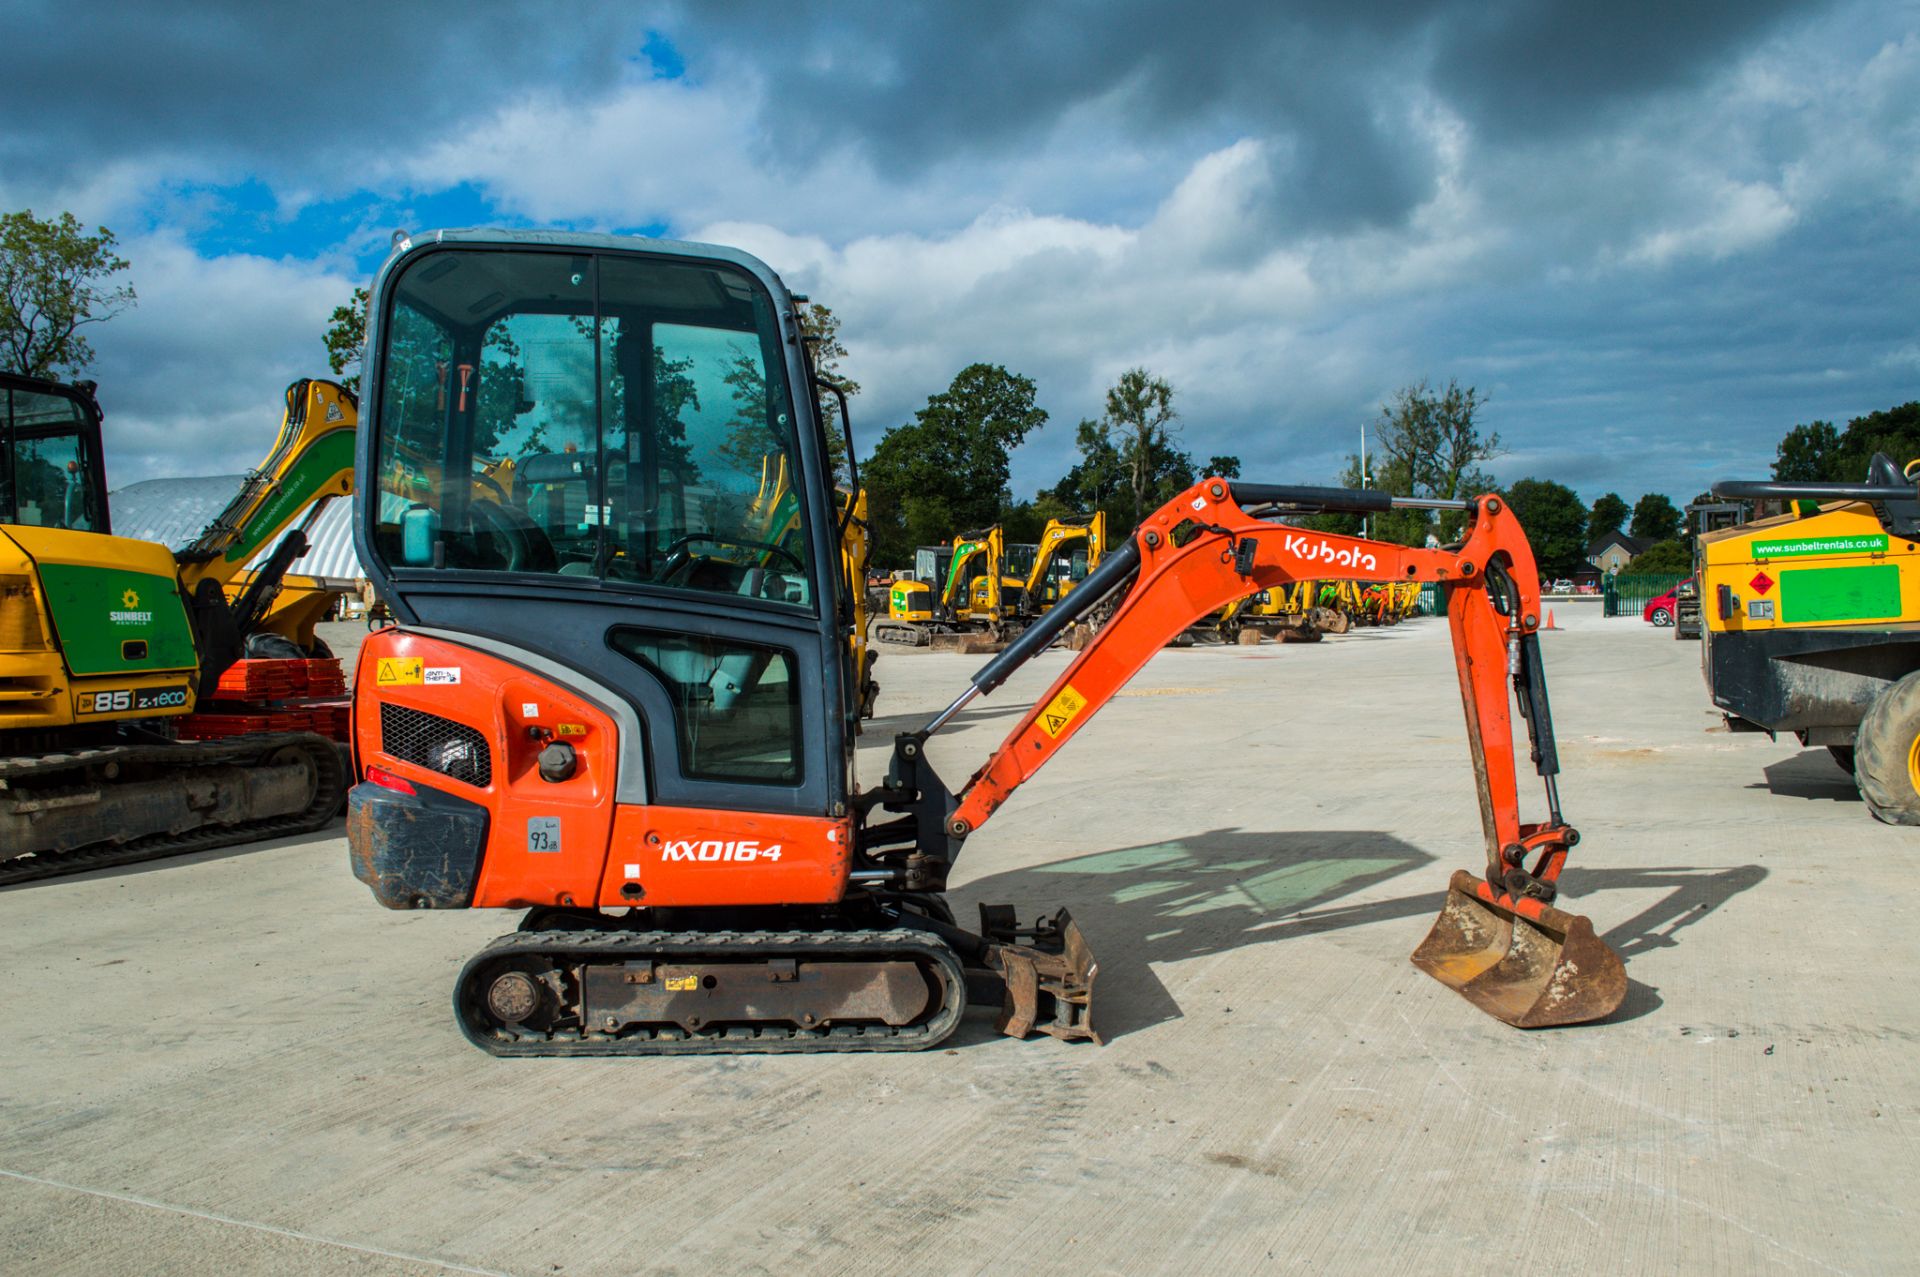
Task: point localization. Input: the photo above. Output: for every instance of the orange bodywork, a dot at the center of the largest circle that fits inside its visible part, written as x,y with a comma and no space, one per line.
602,850
1188,569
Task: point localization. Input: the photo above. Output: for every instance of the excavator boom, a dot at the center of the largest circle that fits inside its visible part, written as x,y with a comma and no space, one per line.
1498,942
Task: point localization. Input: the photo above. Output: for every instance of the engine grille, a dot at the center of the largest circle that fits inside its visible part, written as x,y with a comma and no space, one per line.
435,743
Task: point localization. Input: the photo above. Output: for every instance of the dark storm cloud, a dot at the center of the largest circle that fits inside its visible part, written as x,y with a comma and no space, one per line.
1332,85
1527,69
280,87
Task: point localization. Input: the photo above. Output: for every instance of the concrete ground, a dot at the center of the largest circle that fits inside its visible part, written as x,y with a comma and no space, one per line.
236,1062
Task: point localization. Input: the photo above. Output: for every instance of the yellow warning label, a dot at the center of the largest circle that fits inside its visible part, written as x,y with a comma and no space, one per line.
682,983
398,671
1061,710
570,729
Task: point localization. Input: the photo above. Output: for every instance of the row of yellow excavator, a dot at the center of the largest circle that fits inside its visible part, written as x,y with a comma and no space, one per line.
978,592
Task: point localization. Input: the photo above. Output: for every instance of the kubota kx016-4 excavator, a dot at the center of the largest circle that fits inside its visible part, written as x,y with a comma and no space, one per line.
593,703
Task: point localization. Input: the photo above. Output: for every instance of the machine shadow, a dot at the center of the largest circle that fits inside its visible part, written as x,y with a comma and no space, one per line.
1810,774
1205,894
1163,902
334,828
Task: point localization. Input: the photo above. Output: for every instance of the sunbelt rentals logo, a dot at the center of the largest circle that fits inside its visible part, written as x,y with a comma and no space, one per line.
130,613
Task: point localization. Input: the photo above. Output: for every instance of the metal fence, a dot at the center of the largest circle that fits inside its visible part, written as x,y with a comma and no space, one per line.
1629,593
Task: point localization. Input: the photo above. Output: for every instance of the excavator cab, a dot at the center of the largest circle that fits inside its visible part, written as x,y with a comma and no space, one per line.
620,695
51,471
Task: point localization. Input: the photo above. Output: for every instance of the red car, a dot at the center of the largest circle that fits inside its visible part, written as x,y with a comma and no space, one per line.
1661,610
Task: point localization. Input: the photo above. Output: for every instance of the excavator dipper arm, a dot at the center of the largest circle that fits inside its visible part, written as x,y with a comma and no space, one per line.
1499,941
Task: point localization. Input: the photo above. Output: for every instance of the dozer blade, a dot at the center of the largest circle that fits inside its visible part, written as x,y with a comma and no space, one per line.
1048,979
1528,972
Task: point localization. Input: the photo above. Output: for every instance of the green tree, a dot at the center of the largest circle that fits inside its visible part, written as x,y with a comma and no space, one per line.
1662,558
1224,467
1607,515
1428,444
1432,441
1555,522
1809,454
820,329
55,280
1095,481
1818,453
946,470
346,339
1656,519
1141,424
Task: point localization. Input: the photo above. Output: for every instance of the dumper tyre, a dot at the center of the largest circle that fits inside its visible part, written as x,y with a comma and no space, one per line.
1886,753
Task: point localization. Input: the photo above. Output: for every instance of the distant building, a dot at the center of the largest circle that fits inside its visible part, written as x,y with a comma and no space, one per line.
1610,553
173,512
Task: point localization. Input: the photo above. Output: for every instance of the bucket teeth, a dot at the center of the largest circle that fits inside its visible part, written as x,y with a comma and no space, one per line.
1530,972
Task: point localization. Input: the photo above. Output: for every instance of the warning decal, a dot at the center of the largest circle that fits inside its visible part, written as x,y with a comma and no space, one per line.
397,671
1061,711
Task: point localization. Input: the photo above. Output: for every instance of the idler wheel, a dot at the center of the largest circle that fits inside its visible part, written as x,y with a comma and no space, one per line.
513,996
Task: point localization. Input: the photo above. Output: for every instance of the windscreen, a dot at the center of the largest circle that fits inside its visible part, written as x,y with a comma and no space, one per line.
620,418
47,466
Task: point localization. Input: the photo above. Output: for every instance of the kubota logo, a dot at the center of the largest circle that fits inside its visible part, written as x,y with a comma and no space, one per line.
714,849
1318,551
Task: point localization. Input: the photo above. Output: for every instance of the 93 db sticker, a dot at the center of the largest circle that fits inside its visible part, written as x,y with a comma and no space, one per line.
543,833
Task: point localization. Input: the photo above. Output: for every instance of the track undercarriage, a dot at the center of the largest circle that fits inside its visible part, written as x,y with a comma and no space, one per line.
875,977
107,804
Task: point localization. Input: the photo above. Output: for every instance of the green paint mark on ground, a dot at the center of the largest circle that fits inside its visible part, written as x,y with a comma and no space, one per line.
1185,884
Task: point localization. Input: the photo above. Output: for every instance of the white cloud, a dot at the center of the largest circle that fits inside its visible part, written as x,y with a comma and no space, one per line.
192,378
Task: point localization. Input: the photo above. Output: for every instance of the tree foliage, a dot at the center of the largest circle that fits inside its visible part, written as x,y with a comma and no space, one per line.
1818,453
346,339
1140,425
55,279
1225,467
1555,522
1427,444
1609,514
1656,519
946,470
820,329
1662,557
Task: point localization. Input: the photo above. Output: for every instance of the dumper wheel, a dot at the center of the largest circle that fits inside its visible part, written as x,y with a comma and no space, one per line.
1886,754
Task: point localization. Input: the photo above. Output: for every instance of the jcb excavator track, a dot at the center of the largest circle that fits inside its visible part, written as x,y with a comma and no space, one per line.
71,778
615,993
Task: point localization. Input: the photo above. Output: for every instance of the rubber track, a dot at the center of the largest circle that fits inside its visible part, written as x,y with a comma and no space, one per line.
564,948
186,756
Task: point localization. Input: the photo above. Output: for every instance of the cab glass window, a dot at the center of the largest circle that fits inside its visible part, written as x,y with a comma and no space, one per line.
46,462
736,706
608,417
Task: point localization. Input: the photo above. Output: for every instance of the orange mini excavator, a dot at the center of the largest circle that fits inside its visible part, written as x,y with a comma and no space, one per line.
615,699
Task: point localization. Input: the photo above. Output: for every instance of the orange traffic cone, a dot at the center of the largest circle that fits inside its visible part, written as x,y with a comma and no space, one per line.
1549,625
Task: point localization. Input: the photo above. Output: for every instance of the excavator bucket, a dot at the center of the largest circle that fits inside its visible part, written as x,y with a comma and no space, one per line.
1048,973
1527,972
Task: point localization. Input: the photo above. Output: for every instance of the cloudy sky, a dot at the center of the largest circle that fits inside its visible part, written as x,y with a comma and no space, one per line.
1656,234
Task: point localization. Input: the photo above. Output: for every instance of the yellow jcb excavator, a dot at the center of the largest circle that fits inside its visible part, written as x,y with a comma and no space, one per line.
960,598
105,641
1069,549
